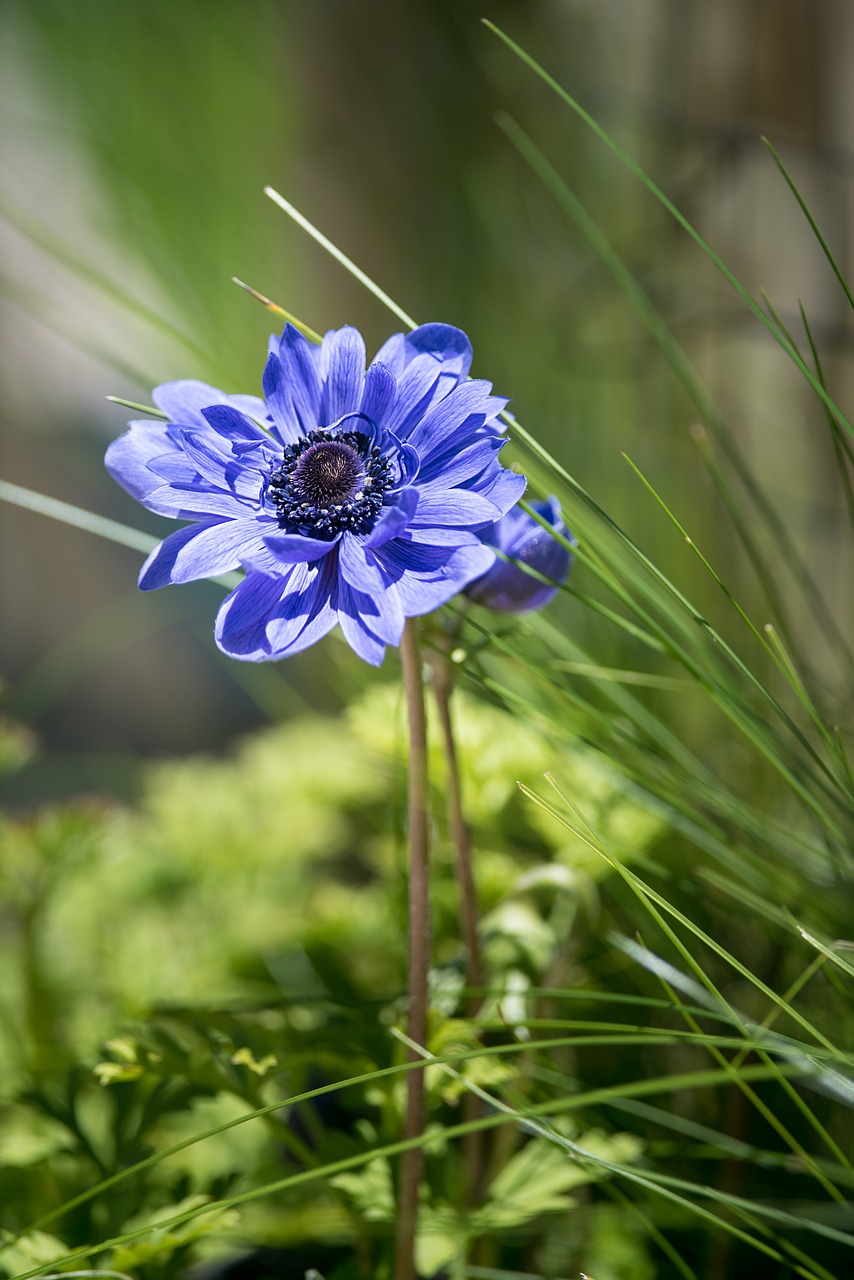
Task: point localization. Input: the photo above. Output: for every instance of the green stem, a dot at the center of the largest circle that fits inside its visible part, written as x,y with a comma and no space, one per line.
419,947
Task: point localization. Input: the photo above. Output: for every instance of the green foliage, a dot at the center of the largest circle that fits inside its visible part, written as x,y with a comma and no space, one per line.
273,883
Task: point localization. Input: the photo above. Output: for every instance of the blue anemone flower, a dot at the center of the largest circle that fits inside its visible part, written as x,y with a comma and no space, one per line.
348,495
505,587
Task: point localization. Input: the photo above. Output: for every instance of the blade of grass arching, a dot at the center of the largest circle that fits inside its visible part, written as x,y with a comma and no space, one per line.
685,372
659,1184
658,1238
675,213
112,530
774,649
652,901
637,1088
305,329
767,1022
736,710
717,841
59,251
148,409
760,1106
675,356
77,517
824,948
825,247
336,253
841,446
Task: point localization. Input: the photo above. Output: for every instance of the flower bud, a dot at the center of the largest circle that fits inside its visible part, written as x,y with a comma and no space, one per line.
505,587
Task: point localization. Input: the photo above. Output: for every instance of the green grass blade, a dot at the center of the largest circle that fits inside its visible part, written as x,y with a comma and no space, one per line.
112,530
825,247
339,256
687,226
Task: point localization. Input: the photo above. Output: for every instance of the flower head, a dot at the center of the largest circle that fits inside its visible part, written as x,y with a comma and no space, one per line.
348,495
505,587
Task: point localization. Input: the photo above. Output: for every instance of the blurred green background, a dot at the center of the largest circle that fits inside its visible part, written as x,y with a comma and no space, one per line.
137,141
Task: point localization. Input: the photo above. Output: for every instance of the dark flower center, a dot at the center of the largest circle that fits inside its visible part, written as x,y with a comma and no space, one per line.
328,473
327,483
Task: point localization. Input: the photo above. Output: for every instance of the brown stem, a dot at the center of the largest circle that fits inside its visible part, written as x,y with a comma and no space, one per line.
473,1143
419,947
442,686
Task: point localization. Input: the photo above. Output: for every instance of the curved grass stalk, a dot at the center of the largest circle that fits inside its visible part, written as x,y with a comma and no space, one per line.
558,1106
652,900
625,159
690,381
642,1088
658,1183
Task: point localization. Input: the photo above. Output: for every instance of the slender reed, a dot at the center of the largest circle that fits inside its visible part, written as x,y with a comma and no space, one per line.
419,947
443,684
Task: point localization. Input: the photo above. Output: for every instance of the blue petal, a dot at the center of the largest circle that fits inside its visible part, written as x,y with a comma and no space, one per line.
292,387
208,456
253,406
279,402
127,459
394,519
506,587
392,354
506,489
231,423
369,621
200,551
454,467
449,417
444,537
307,610
448,344
183,401
345,376
241,623
360,638
362,568
196,501
462,507
417,389
379,393
422,592
293,548
300,375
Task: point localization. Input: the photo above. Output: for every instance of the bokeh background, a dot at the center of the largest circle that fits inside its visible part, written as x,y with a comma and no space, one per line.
136,144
